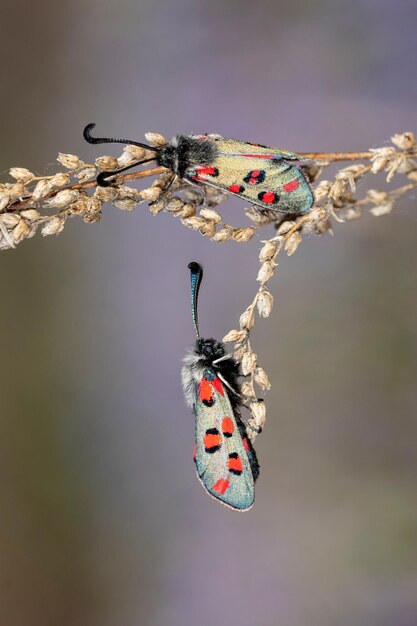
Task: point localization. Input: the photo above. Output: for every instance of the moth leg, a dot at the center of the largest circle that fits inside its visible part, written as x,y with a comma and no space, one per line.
164,193
229,386
223,358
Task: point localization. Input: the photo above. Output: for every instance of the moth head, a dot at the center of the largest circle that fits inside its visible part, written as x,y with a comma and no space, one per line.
209,349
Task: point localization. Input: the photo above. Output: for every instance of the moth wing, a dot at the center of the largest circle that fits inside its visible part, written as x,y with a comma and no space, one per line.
222,462
279,185
236,147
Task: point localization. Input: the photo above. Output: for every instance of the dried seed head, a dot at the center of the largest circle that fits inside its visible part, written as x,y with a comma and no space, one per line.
163,180
404,141
258,410
247,390
70,161
247,319
208,229
285,227
234,336
292,243
242,235
6,241
258,217
21,231
86,174
188,210
268,251
139,153
43,187
21,174
130,155
105,194
381,158
31,215
337,189
210,214
381,201
382,209
9,220
322,190
92,210
260,377
264,303
155,139
248,362
194,222
266,272
63,199
59,180
151,194
225,234
412,175
156,207
17,191
53,226
174,205
106,163
4,200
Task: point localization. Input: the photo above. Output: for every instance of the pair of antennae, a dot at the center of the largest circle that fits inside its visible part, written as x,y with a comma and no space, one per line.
196,275
103,176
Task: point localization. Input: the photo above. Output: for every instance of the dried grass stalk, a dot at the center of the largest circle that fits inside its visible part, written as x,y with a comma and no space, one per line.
30,203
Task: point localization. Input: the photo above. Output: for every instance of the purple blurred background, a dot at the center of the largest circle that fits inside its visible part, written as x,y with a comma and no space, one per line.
103,522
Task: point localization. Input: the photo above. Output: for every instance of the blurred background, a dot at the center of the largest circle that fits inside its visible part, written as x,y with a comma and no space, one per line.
102,520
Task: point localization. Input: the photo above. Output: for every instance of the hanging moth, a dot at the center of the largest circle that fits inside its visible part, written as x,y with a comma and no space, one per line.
225,460
267,178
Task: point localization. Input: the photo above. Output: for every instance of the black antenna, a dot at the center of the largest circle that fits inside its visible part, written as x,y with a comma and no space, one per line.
103,176
196,274
87,136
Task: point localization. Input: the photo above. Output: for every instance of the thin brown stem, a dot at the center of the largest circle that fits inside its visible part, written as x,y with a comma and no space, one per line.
337,156
25,204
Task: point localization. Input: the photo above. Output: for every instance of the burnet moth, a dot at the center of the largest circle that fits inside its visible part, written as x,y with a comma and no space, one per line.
225,460
265,177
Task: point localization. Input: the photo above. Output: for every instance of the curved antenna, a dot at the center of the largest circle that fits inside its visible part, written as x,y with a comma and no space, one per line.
196,274
87,136
102,178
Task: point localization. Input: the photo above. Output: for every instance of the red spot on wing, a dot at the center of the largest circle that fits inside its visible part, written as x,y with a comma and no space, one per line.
212,441
235,464
269,197
236,188
217,384
207,171
221,486
227,426
246,444
195,452
291,186
206,390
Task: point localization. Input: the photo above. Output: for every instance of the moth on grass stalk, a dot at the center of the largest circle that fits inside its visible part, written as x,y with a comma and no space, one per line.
268,178
225,460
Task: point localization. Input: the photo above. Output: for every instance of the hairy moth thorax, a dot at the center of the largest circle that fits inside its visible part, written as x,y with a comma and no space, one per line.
185,151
